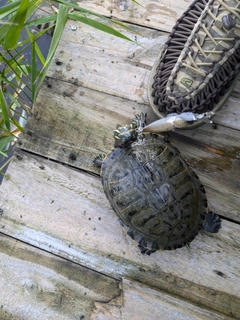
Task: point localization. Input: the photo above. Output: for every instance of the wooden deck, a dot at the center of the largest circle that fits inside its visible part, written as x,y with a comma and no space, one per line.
63,253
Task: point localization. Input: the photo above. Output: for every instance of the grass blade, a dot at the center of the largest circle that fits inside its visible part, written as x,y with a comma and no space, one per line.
4,141
4,107
33,65
9,8
98,25
62,17
71,5
15,29
43,20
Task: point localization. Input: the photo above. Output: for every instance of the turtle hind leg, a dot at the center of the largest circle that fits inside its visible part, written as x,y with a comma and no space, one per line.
212,223
145,250
147,247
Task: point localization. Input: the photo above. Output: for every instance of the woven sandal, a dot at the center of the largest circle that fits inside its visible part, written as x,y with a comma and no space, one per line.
199,65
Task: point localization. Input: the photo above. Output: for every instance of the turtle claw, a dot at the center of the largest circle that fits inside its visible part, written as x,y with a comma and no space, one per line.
139,122
145,250
98,160
212,223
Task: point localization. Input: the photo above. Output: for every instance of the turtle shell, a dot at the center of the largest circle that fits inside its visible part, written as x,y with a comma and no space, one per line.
157,196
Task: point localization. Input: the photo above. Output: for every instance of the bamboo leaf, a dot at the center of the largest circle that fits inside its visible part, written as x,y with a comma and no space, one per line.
4,141
33,65
3,31
33,38
8,8
85,12
62,17
4,107
98,25
137,3
14,121
75,6
12,63
10,81
14,103
43,20
123,25
60,24
28,42
33,6
40,55
14,31
34,70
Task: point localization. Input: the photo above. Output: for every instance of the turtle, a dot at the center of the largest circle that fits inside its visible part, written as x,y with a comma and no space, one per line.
158,198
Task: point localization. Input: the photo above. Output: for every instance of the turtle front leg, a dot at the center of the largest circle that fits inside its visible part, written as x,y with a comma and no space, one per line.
139,122
98,160
212,223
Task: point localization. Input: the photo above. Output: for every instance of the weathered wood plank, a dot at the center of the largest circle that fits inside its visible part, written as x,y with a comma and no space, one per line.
161,15
141,302
229,115
38,285
91,116
150,304
214,153
102,62
91,59
96,82
65,212
78,126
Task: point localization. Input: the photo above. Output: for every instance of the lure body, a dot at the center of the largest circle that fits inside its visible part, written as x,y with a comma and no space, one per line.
177,121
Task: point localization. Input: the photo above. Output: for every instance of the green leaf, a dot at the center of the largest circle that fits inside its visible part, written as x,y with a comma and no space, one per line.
12,63
39,54
3,31
14,103
98,25
62,17
4,141
123,25
137,3
20,128
43,20
60,25
34,70
33,6
71,5
15,29
8,8
34,65
9,80
4,107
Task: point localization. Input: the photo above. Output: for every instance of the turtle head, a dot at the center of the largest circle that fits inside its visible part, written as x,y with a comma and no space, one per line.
124,136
